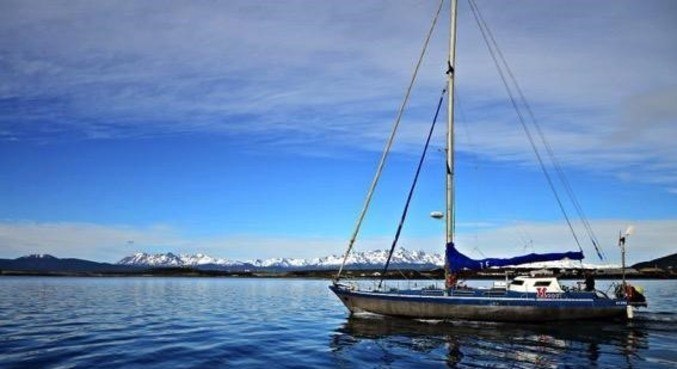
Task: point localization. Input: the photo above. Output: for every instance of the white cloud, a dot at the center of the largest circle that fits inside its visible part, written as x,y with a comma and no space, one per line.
83,240
315,76
112,242
653,239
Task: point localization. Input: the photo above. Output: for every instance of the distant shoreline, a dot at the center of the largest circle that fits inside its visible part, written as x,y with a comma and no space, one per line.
323,274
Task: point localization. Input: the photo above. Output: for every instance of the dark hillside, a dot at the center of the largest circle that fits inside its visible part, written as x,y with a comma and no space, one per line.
666,263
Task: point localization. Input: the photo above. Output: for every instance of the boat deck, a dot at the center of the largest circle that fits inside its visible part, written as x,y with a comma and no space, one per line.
491,292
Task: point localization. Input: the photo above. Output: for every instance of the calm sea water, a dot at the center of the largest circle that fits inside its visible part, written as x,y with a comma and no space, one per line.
293,323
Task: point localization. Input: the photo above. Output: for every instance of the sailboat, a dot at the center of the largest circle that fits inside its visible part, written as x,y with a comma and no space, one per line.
524,298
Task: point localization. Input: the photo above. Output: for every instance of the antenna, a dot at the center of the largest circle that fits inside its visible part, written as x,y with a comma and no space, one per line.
621,243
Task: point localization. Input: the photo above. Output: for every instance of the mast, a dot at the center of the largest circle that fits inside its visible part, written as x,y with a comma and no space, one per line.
450,125
451,63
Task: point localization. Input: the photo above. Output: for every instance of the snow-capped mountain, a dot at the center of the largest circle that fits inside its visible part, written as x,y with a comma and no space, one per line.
38,257
363,259
202,259
169,260
141,258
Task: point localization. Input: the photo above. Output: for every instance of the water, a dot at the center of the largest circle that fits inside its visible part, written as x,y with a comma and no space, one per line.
293,323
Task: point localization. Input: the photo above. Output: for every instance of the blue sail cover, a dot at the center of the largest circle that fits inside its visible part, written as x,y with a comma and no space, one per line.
457,261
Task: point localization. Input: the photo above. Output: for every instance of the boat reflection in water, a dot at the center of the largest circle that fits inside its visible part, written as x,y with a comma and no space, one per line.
411,343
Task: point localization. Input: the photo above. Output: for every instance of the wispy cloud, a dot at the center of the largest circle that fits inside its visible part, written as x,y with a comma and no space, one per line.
83,240
318,76
123,69
653,238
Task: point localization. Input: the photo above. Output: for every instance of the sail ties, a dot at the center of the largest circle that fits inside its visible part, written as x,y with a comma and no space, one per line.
411,189
456,261
450,69
389,144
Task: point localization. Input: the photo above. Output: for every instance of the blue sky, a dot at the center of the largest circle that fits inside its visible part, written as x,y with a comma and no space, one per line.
252,129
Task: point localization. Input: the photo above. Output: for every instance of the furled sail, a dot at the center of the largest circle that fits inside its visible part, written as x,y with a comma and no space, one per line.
457,261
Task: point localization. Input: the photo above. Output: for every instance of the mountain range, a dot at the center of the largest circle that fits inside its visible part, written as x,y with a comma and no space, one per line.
401,258
666,262
49,263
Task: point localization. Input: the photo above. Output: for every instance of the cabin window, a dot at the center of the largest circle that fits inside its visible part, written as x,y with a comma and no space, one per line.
542,284
517,283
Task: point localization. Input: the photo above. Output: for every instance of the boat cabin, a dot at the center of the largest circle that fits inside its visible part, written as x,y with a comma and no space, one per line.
535,285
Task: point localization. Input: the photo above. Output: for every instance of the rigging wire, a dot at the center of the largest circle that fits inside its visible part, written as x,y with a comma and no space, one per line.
553,158
389,144
526,129
413,186
474,162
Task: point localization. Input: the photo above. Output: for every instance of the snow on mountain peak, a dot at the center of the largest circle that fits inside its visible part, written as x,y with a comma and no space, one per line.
142,258
368,258
38,256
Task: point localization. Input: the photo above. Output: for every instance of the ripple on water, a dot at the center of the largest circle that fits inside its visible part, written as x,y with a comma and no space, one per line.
254,323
